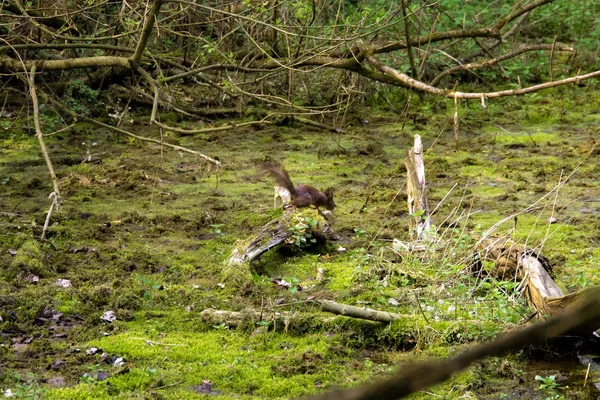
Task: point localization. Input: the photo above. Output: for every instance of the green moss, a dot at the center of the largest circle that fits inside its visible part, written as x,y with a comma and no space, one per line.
28,260
266,367
147,235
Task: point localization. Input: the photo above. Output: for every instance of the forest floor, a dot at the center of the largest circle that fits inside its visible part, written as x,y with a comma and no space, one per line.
144,232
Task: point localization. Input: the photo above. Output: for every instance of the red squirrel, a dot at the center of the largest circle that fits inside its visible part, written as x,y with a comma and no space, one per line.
301,195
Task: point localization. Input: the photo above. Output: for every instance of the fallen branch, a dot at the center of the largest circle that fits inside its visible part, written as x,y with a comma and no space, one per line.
236,318
141,97
66,64
145,139
357,312
209,130
316,124
412,378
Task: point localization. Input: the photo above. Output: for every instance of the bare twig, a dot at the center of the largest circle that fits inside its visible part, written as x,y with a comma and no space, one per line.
53,205
38,131
492,61
145,139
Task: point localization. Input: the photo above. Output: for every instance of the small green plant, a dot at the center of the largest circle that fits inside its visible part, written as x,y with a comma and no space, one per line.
547,383
80,97
294,285
301,233
550,386
151,286
29,389
217,229
418,213
360,232
87,377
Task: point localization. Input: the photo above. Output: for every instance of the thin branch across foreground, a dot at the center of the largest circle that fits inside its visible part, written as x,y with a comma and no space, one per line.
584,317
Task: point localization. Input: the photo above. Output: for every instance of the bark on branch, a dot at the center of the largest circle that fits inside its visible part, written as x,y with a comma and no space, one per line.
39,134
357,312
390,75
146,31
151,140
67,64
54,196
520,11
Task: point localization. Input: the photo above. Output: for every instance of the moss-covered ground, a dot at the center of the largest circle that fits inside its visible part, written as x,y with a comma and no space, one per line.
144,232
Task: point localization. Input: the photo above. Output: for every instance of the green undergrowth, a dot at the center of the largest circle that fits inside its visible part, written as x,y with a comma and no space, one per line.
146,233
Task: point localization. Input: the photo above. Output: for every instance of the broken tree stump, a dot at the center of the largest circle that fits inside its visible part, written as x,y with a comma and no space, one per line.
515,261
416,189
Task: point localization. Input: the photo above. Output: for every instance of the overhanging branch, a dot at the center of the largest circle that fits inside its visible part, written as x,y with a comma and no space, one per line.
492,61
404,80
71,63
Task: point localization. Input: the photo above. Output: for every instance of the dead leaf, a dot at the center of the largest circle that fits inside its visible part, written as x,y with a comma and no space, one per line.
102,375
206,388
108,316
57,364
56,381
65,283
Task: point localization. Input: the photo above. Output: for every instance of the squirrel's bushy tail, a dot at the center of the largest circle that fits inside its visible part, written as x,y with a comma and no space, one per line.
279,173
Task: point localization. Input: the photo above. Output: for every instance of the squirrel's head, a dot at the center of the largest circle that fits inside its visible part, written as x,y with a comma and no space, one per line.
330,203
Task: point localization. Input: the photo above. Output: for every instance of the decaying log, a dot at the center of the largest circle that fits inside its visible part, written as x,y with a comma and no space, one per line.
235,318
279,231
272,234
540,286
416,189
515,261
292,226
282,194
507,255
247,316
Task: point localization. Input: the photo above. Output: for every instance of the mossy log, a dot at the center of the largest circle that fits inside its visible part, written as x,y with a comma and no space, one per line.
236,318
294,228
272,234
